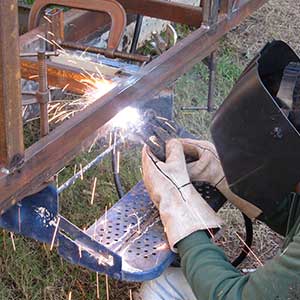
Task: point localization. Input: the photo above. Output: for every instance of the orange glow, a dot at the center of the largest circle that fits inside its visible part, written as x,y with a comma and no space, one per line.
96,88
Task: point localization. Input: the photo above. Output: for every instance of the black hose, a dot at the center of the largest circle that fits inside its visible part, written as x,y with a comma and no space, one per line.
248,242
216,200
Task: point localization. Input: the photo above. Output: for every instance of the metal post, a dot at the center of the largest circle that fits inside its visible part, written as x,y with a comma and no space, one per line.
226,7
212,78
55,26
11,127
43,93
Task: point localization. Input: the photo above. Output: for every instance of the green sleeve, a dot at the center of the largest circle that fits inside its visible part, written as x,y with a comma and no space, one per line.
212,277
284,217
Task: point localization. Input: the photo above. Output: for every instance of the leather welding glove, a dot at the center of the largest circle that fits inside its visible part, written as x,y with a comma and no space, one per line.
182,209
207,167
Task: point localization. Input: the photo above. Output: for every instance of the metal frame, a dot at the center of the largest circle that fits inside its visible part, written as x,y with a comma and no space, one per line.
11,136
52,152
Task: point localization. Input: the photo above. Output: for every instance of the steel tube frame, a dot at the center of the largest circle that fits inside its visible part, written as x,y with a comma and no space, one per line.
165,10
51,153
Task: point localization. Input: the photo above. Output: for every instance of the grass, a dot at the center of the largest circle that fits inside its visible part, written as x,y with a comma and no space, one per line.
33,272
191,89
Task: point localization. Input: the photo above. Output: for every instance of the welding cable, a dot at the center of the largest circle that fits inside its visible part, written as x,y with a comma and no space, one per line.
136,35
115,167
216,201
248,242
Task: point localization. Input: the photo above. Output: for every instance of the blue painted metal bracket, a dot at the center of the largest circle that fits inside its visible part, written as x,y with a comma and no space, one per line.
128,243
79,248
34,216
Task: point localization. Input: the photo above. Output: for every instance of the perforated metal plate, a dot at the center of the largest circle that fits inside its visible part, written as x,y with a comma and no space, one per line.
132,229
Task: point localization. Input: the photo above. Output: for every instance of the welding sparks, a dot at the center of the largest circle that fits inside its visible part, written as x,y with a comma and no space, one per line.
118,162
94,190
33,76
127,118
81,172
19,217
97,87
70,295
13,241
97,283
54,234
47,19
43,38
250,250
107,287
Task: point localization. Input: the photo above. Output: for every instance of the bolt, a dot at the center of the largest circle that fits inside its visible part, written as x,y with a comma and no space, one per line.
277,133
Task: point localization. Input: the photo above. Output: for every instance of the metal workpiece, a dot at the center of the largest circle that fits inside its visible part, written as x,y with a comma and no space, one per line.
226,6
11,130
212,81
165,10
113,8
210,12
211,63
43,93
110,53
58,75
55,31
43,160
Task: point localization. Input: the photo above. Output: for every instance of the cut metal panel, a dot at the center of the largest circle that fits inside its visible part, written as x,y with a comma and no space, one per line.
43,160
132,229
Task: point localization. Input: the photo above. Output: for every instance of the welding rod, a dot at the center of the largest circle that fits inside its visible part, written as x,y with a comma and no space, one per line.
95,161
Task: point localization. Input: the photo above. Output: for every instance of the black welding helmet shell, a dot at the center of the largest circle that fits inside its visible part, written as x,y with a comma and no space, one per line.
258,146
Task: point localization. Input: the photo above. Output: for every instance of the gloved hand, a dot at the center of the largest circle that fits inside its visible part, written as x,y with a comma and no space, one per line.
182,209
207,167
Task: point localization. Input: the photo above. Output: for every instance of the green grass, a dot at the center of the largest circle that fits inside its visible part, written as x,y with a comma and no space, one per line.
191,89
33,272
28,2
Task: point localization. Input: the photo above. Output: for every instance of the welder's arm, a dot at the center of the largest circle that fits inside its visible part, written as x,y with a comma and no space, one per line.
181,208
212,277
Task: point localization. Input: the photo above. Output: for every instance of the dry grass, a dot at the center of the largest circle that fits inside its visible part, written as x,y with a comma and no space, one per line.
37,273
277,19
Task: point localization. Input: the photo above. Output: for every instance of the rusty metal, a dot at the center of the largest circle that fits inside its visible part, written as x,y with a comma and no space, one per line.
58,75
107,52
55,27
43,93
226,6
212,81
111,7
210,12
11,130
165,10
34,54
50,154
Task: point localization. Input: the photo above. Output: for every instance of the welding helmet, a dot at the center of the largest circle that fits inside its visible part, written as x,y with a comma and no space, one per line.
256,129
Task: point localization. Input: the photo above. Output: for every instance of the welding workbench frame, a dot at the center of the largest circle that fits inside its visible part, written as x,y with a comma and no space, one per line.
47,156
